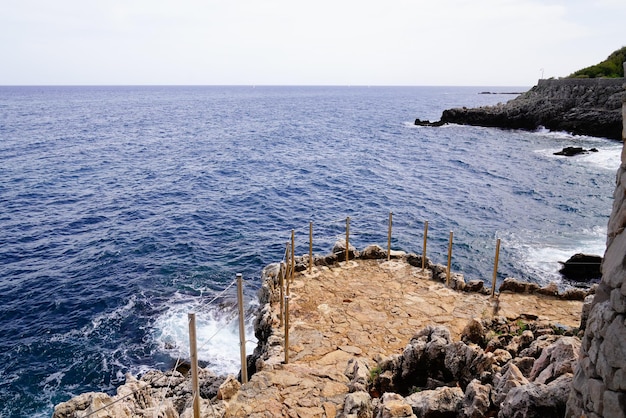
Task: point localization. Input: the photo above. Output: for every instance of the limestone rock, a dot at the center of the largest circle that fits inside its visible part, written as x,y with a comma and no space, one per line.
556,360
339,250
537,400
477,400
474,332
229,388
393,405
357,405
510,378
372,252
517,286
441,402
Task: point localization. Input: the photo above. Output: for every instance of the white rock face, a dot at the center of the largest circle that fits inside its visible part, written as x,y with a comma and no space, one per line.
599,384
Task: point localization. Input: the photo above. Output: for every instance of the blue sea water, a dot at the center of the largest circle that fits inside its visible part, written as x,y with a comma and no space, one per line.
125,208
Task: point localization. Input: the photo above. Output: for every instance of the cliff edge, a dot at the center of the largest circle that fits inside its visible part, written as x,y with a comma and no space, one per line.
579,106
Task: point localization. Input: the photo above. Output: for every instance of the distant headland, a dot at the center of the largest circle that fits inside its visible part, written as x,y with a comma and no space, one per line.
588,102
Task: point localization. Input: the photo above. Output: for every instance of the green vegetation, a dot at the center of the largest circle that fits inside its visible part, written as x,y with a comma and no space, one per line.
612,67
374,373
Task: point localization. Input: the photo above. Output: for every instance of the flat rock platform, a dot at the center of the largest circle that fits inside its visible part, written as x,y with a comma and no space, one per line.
368,309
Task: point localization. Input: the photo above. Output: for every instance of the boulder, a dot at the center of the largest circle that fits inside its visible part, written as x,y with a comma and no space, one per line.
555,360
477,400
442,402
339,251
510,378
372,252
229,388
571,151
517,286
356,405
537,400
393,405
582,268
474,332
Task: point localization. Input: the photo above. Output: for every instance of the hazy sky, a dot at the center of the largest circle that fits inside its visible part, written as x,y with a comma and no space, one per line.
329,42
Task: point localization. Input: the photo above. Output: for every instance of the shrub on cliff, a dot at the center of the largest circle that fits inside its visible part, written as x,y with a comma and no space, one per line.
612,67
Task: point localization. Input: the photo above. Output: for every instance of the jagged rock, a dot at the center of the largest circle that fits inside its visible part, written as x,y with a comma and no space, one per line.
551,289
536,347
358,372
537,400
442,402
357,405
555,360
524,364
520,342
574,294
419,122
339,251
423,356
474,332
582,268
511,377
580,106
476,401
229,388
516,286
393,405
474,286
464,362
372,252
571,151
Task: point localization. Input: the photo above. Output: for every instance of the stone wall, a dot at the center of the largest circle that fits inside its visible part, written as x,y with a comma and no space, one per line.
599,385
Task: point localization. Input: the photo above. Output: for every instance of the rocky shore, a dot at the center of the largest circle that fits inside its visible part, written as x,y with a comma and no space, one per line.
378,338
579,106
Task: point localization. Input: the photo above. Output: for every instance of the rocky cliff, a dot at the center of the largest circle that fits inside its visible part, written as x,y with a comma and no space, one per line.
599,385
580,106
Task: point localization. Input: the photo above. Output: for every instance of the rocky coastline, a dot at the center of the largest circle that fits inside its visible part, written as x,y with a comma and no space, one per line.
500,365
578,106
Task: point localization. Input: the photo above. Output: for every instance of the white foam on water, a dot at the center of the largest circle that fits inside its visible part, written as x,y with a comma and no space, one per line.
608,158
541,257
217,335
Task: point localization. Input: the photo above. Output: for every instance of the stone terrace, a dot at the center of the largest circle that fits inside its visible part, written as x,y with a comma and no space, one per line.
367,309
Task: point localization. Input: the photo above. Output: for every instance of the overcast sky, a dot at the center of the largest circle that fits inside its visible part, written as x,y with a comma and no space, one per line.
321,42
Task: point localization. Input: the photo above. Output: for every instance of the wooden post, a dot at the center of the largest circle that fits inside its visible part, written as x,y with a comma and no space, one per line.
495,269
347,239
449,259
424,248
195,386
281,282
242,330
287,329
293,254
287,266
389,236
310,247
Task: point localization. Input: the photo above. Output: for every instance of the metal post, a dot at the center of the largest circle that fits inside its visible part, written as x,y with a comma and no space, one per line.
424,249
286,329
242,330
195,386
495,269
310,247
389,236
449,259
347,239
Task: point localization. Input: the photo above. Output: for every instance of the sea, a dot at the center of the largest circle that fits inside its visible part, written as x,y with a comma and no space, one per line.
125,208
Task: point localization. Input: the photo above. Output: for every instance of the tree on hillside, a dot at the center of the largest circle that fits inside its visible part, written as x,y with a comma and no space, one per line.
612,67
